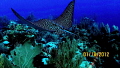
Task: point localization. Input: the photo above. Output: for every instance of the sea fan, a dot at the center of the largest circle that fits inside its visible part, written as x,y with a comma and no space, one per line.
22,56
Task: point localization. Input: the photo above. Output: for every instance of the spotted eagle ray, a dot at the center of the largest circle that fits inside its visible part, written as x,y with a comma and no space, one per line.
58,25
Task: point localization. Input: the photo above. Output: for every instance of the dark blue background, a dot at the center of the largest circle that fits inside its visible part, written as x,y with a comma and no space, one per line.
107,11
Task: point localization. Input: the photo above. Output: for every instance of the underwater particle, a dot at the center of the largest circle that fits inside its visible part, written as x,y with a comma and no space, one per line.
30,36
19,27
50,45
84,32
95,41
118,61
90,66
84,64
10,58
108,28
44,60
6,42
5,37
81,46
42,39
12,22
3,49
10,31
115,28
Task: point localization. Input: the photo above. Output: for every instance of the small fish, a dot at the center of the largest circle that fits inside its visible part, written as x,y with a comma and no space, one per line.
58,25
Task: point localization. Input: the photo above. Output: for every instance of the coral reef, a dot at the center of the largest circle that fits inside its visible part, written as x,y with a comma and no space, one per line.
56,43
92,45
65,55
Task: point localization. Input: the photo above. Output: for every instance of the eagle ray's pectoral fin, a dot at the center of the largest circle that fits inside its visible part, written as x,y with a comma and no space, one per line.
24,21
66,18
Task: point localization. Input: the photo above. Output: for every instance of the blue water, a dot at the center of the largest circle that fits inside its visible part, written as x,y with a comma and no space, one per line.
107,11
